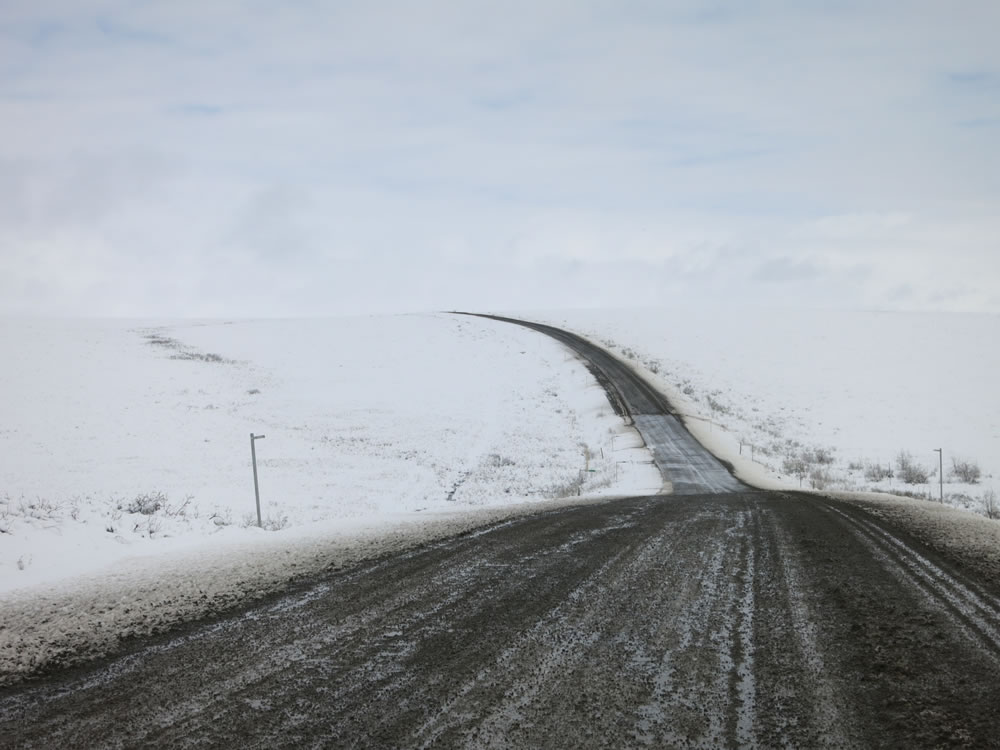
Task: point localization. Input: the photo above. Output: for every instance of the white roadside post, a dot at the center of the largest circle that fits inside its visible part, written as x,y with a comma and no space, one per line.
256,487
940,472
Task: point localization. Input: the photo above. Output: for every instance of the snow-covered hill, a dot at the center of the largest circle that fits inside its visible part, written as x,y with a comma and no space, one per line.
822,398
126,439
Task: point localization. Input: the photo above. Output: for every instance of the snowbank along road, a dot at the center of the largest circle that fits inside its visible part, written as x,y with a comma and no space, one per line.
716,619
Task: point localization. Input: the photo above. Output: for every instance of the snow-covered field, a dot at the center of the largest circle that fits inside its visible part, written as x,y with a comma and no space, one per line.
126,493
126,439
825,398
131,439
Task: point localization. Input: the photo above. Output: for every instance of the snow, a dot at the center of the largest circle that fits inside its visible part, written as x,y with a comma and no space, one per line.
366,420
760,387
385,432
380,433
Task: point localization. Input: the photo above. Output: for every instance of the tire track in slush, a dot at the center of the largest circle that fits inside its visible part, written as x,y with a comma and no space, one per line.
701,667
973,610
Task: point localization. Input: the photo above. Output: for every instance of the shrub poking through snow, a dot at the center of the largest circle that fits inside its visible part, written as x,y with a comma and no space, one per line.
147,503
803,462
819,479
158,339
878,472
716,406
909,471
822,456
991,504
275,523
965,471
181,350
796,466
268,523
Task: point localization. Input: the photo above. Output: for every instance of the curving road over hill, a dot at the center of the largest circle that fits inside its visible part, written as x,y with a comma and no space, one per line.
686,466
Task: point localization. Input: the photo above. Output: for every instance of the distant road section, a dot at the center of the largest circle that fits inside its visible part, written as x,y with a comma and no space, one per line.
684,463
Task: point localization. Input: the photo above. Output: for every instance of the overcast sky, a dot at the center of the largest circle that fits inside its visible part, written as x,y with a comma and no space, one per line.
221,157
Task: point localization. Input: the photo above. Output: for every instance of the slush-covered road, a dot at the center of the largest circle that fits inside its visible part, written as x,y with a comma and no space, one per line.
716,619
687,468
733,620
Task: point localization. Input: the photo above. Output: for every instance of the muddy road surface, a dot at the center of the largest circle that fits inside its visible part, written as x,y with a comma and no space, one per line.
737,620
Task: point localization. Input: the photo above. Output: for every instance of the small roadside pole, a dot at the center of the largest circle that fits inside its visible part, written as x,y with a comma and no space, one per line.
256,487
940,472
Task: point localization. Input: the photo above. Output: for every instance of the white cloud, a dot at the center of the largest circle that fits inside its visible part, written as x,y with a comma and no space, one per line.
406,155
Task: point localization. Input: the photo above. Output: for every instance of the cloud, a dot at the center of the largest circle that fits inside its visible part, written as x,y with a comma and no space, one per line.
119,33
863,225
408,155
976,78
981,122
900,293
786,270
197,110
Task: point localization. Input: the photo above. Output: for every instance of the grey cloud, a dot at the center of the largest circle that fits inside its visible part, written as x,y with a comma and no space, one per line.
974,78
950,295
271,223
980,122
786,270
859,272
900,293
197,110
45,197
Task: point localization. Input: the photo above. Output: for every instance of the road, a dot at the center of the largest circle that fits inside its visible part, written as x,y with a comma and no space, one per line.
698,619
686,466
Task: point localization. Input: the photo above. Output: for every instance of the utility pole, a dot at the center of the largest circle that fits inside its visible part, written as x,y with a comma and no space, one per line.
256,487
940,472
